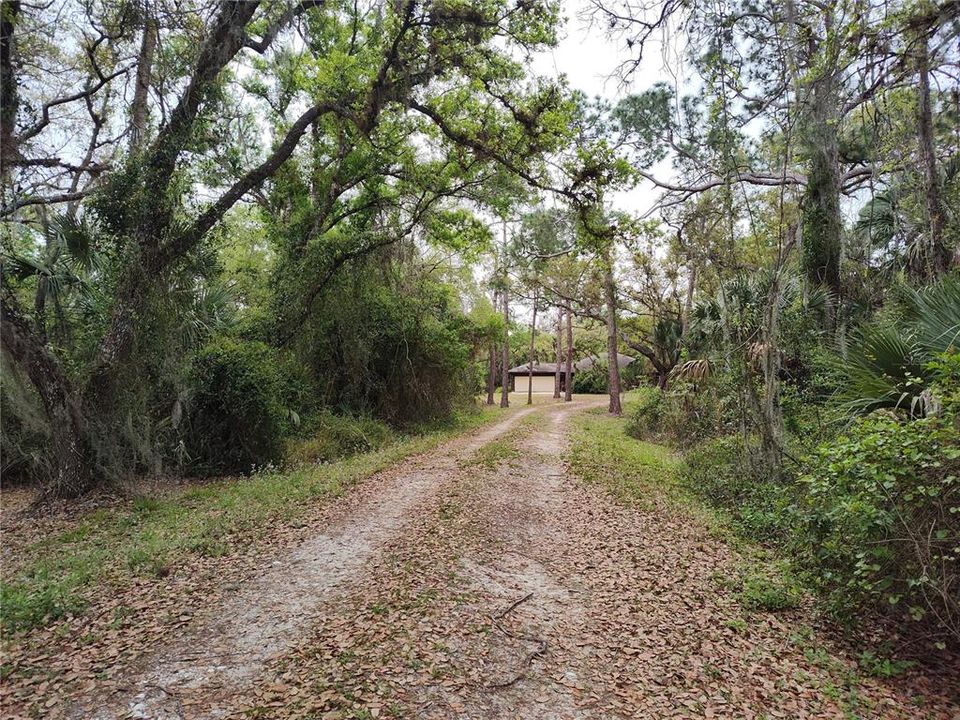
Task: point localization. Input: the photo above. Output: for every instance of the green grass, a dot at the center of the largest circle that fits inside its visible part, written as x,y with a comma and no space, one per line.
56,576
633,470
769,586
504,448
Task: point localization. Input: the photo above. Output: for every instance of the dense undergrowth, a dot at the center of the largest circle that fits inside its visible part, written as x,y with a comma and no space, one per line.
865,509
146,536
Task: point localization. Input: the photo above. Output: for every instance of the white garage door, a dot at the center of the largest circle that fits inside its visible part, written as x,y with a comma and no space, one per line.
541,383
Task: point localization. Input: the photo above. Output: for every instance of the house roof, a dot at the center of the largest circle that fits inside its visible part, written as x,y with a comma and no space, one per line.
586,363
591,360
539,368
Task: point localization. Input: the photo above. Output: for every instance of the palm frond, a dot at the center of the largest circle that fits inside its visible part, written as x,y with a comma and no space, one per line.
933,313
884,369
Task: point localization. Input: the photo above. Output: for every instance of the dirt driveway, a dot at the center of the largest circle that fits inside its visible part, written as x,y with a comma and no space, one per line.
482,580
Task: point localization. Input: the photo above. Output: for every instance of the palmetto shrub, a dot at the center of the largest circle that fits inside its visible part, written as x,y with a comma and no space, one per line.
887,363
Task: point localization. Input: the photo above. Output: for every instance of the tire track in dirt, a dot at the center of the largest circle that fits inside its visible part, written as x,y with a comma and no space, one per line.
416,638
225,650
630,601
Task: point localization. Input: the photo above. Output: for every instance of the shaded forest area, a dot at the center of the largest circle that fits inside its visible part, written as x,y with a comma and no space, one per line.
240,235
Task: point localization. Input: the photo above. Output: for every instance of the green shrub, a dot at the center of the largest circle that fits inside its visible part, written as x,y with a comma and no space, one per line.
771,588
646,411
592,381
720,471
632,376
238,416
330,437
684,415
880,516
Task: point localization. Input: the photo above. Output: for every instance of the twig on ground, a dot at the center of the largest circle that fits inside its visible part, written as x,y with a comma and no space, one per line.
529,657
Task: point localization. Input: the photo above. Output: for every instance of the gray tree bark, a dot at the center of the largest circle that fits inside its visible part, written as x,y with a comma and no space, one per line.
505,359
73,452
556,374
492,372
533,346
613,367
141,95
568,387
937,257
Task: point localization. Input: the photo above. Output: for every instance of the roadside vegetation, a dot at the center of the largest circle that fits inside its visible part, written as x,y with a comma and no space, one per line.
55,572
654,478
864,515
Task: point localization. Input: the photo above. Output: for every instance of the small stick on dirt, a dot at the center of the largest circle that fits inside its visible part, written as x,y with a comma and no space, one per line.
503,613
528,658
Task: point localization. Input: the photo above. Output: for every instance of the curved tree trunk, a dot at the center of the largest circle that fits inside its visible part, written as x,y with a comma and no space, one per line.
73,472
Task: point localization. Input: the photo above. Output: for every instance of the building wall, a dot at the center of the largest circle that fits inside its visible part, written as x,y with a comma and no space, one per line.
541,383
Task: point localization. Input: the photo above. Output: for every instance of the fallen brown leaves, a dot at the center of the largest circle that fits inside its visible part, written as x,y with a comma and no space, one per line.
628,604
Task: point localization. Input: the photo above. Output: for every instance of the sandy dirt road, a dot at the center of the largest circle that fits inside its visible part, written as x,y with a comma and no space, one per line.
484,580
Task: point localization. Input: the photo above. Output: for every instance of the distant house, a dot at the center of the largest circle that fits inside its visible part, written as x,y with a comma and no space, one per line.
543,373
543,377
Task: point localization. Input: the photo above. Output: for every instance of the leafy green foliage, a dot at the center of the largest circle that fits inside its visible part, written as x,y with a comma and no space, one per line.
237,416
646,412
685,415
329,437
887,364
720,472
592,381
880,512
770,588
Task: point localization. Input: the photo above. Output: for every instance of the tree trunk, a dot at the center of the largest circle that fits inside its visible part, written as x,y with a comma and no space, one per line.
688,301
771,417
72,474
822,224
568,380
533,346
937,257
556,373
613,367
505,358
141,95
492,374
8,87
492,371
661,371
